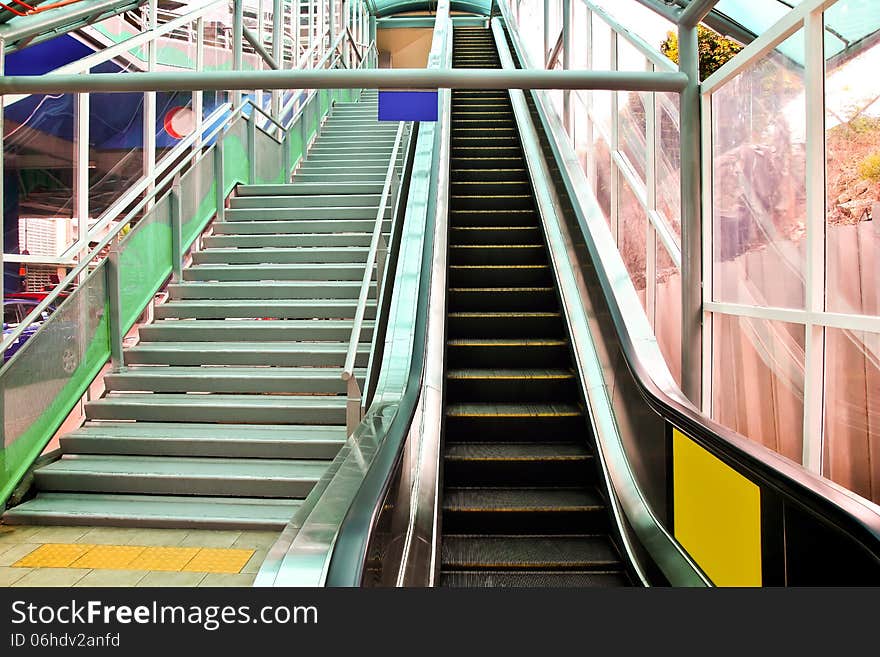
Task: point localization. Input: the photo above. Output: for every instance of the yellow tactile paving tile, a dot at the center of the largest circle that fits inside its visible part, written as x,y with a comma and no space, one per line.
164,558
136,557
112,557
52,555
218,560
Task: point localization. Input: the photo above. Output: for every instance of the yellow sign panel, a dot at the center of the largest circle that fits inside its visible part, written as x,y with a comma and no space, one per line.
717,515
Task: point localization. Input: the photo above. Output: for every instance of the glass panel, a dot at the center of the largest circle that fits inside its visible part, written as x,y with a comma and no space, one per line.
218,52
198,197
174,120
759,185
631,110
38,160
116,138
49,374
581,123
852,416
641,20
268,160
668,155
578,35
602,181
852,20
852,137
531,24
145,260
632,227
602,62
176,50
667,312
758,381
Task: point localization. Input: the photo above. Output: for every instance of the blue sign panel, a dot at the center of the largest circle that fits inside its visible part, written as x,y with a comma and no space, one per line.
408,105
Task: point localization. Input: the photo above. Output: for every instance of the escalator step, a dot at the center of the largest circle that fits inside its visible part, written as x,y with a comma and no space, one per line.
466,552
555,579
497,254
503,298
522,510
483,325
510,274
511,385
503,352
517,464
460,217
493,235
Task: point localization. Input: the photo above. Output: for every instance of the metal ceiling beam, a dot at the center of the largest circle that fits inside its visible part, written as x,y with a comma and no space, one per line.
723,25
261,51
667,10
27,30
695,12
403,78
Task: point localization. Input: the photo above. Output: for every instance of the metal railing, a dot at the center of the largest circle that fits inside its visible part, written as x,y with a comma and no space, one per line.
354,410
159,46
173,205
156,174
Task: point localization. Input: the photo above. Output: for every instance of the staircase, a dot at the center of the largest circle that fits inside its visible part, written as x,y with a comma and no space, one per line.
522,502
231,405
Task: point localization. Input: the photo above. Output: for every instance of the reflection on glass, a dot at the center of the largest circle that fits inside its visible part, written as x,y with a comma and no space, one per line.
578,35
852,416
758,381
581,125
667,310
759,185
601,45
38,179
852,138
631,117
668,156
602,181
631,126
218,54
116,136
631,228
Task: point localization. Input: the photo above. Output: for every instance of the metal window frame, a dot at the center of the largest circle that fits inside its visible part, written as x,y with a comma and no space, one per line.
814,318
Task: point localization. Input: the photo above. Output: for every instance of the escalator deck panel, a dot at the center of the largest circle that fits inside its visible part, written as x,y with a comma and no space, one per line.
522,505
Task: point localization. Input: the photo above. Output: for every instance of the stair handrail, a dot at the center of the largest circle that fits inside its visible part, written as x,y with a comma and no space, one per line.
353,406
156,185
150,186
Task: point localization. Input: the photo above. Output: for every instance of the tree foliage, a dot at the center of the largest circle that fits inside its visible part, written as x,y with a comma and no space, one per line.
715,50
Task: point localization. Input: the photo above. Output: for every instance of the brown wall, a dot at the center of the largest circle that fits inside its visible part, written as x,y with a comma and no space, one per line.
408,46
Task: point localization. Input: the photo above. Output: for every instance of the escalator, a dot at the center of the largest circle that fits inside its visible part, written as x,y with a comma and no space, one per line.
521,499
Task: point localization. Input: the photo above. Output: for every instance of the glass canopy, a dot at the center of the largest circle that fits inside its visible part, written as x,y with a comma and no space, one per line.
388,7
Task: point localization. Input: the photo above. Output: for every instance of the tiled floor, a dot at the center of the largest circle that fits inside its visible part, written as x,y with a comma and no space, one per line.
17,542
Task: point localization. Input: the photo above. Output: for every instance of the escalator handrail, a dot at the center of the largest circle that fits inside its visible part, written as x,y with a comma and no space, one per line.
842,509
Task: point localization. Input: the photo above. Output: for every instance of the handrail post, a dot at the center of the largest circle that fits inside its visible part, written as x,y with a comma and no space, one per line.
303,127
237,50
176,231
381,255
220,184
114,305
354,412
691,219
285,155
252,146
